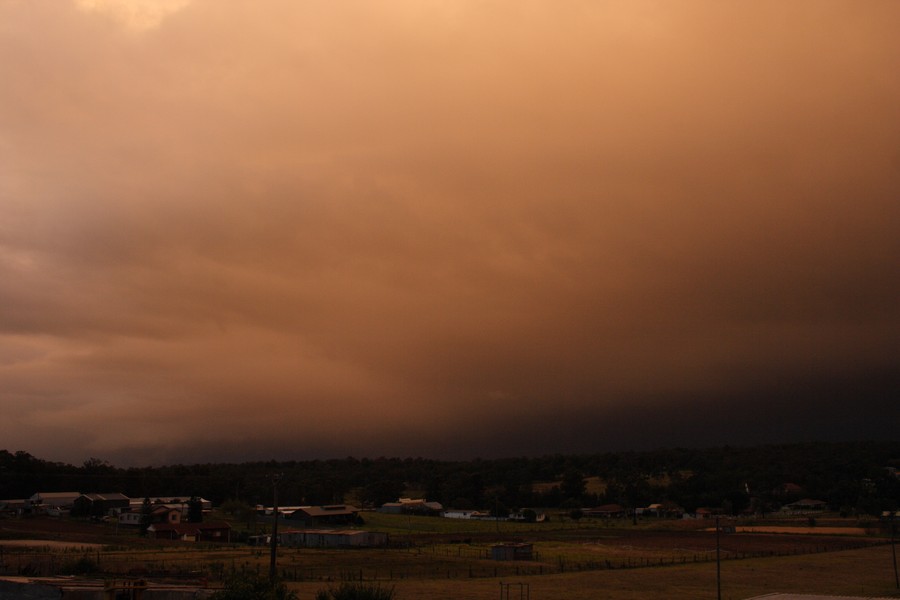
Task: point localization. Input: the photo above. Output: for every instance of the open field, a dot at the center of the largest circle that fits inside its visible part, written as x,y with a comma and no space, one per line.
865,572
436,558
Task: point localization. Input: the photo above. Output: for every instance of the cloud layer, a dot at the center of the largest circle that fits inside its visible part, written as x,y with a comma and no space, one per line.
445,229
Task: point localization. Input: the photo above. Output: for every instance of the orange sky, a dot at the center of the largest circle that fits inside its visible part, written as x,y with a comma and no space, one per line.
281,228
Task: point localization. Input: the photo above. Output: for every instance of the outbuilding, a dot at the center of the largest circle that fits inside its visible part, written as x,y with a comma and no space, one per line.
332,538
521,551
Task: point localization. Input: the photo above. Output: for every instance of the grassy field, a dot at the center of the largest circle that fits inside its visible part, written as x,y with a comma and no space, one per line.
864,572
445,558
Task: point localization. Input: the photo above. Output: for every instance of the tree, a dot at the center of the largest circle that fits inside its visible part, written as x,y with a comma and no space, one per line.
195,510
573,485
241,511
146,516
499,510
379,491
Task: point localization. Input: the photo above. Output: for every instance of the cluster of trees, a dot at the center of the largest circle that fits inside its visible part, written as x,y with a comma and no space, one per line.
849,476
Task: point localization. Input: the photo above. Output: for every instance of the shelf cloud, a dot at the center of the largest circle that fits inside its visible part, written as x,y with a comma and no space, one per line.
288,229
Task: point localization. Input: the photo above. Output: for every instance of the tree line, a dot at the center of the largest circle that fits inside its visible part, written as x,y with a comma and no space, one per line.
851,477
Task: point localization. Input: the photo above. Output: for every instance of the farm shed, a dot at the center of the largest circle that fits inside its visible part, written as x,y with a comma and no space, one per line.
334,514
54,499
332,538
512,552
98,505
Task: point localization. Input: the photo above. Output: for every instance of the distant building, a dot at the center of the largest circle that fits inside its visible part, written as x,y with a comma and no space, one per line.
332,538
161,513
191,532
180,502
459,514
333,514
606,511
527,514
99,505
54,500
804,506
412,506
13,506
283,511
512,552
668,510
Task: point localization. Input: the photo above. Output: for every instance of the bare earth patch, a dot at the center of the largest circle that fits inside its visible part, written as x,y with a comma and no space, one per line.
803,530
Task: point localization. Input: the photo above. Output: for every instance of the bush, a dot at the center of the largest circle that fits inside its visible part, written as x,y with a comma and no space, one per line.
356,591
83,566
249,586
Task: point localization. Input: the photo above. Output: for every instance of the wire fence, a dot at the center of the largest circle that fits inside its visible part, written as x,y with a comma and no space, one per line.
437,562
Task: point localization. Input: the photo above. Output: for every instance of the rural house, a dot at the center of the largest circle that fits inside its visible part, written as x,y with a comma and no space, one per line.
191,532
180,502
158,514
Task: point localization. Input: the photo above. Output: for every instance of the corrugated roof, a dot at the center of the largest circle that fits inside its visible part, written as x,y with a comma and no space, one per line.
107,496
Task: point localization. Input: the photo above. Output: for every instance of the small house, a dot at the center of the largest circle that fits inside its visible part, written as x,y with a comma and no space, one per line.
191,532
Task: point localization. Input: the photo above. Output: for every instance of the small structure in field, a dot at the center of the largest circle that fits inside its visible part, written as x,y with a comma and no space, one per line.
332,538
519,551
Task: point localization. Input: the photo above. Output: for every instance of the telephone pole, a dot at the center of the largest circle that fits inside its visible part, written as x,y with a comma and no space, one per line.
718,564
273,569
894,548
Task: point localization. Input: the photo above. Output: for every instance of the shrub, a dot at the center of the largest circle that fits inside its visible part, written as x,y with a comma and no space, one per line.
83,566
356,591
249,586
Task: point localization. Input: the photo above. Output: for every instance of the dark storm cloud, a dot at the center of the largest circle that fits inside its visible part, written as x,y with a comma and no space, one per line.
476,228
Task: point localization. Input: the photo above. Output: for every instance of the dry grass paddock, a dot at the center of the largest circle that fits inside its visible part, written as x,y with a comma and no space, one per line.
444,560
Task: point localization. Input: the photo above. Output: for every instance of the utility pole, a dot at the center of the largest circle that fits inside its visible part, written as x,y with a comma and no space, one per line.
273,570
718,564
894,548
